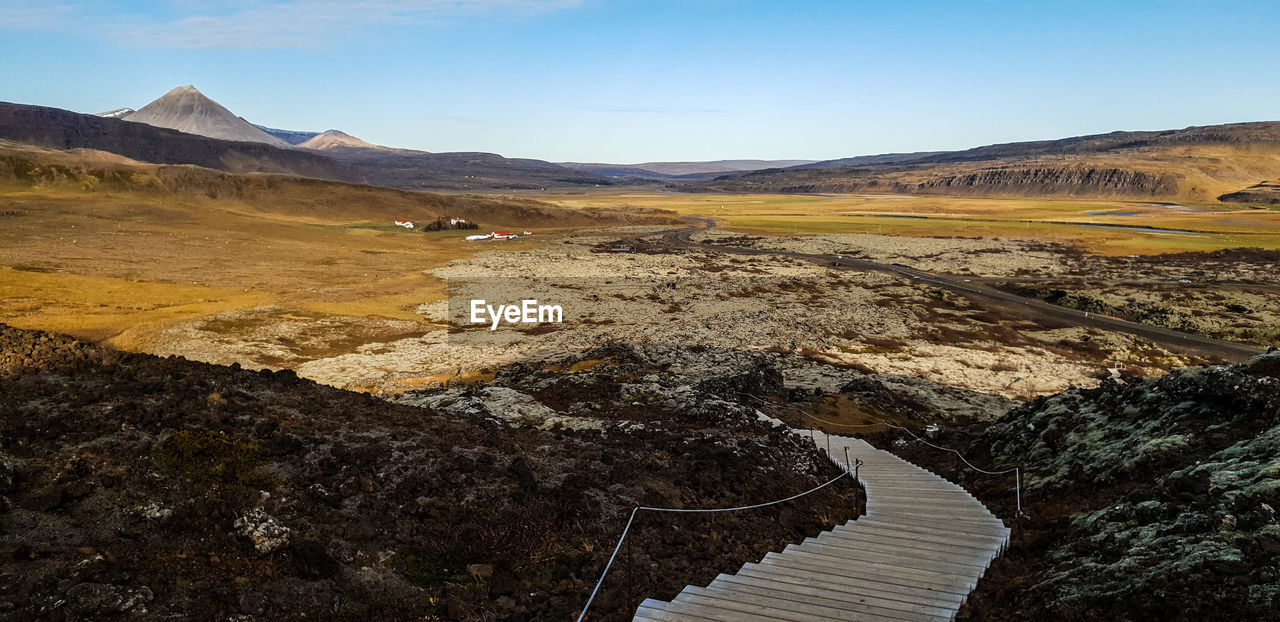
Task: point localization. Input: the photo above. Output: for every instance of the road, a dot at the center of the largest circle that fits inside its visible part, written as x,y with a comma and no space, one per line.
1171,340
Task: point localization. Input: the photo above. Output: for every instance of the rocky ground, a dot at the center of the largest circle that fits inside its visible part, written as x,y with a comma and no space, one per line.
1241,313
147,487
996,258
976,256
1150,499
867,322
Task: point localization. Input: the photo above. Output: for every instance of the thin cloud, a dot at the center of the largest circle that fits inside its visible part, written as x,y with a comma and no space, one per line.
277,24
27,15
653,109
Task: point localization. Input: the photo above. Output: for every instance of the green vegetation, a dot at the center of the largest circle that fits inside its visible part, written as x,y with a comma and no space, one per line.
433,570
212,464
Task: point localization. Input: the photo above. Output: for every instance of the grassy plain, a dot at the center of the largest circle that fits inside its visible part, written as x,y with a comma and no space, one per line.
1074,221
120,266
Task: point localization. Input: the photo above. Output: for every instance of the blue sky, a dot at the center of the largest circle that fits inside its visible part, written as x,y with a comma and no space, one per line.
632,81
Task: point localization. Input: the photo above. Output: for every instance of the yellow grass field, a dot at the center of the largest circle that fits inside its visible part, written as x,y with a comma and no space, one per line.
1212,225
98,266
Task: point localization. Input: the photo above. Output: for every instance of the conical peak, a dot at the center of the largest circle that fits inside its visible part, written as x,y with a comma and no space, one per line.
186,89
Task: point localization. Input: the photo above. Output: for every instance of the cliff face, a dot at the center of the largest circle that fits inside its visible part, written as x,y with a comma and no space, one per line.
1075,181
1194,163
63,129
1070,180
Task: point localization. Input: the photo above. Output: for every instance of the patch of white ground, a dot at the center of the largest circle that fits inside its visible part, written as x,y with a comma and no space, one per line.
701,303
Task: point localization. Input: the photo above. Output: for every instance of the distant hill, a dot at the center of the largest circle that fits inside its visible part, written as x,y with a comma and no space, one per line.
669,170
86,172
421,170
187,110
1195,163
293,137
334,139
63,129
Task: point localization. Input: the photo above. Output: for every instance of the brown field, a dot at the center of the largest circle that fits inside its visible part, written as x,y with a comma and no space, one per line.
98,267
114,252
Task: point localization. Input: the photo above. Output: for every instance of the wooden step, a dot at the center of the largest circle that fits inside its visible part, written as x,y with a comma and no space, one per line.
762,607
817,563
905,595
869,522
892,555
856,539
895,575
920,549
827,607
920,540
887,602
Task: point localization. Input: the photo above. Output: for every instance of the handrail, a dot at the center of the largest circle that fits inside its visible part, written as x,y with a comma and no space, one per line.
1017,471
631,520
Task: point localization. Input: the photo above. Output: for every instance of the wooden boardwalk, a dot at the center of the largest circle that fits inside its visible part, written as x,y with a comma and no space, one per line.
915,555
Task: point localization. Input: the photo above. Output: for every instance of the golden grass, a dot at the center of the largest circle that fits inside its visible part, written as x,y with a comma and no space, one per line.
466,376
1059,220
97,308
95,265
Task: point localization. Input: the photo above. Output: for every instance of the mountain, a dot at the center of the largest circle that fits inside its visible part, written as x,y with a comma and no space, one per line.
188,110
62,129
118,113
1233,133
205,129
344,157
1195,163
334,139
669,170
293,137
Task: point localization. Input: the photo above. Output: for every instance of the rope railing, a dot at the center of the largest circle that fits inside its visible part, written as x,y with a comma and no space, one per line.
1017,471
639,508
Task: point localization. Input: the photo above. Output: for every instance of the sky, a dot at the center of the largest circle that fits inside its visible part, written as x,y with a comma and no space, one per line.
628,81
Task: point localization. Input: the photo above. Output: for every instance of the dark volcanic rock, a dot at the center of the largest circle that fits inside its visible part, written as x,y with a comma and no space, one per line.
159,488
1153,499
759,381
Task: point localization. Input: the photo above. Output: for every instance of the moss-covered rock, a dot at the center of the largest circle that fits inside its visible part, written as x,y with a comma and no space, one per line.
1159,496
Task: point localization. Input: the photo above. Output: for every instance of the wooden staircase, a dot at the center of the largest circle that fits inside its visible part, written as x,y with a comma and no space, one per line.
915,555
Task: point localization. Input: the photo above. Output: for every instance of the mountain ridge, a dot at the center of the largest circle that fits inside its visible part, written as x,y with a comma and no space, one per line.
335,139
677,169
1197,163
63,129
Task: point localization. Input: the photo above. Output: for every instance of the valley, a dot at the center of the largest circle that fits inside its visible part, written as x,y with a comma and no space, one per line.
250,373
